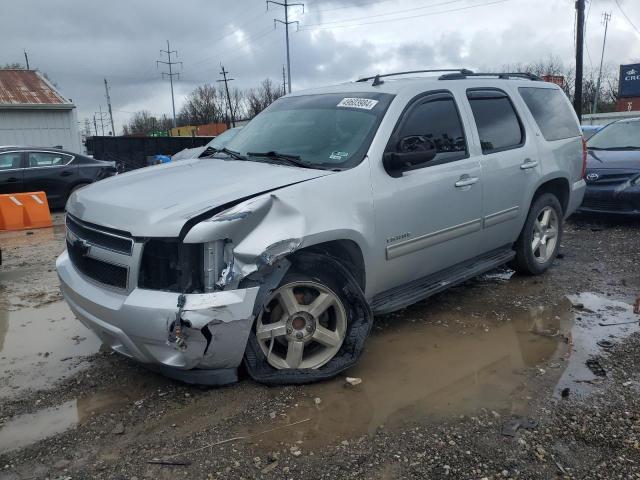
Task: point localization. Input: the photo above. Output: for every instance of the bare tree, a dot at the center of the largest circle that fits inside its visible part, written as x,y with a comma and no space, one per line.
260,98
144,123
204,105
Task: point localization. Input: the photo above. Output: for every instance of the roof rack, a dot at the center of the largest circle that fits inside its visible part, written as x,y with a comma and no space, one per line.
504,76
377,81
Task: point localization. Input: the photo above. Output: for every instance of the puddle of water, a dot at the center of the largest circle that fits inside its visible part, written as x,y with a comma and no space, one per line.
40,346
412,371
586,334
27,429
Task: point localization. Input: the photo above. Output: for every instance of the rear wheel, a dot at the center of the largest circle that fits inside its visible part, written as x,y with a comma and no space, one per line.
539,241
311,327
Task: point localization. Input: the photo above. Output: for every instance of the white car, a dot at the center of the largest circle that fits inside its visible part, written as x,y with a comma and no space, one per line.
332,205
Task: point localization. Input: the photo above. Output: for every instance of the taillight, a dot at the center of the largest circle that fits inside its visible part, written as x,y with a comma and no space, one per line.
584,158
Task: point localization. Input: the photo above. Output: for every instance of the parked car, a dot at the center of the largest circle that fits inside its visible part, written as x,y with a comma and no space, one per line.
589,131
613,170
332,205
56,172
218,143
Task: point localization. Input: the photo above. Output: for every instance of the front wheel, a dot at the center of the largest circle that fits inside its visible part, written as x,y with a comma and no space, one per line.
311,327
539,241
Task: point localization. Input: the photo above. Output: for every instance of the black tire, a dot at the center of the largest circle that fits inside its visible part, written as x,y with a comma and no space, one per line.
328,272
525,261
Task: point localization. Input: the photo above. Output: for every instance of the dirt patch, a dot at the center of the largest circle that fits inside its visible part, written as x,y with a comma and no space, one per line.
440,380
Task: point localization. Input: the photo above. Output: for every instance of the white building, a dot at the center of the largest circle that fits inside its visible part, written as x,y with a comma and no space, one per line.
33,113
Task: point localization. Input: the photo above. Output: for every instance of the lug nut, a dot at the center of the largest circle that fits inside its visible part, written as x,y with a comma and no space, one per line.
309,328
289,330
299,335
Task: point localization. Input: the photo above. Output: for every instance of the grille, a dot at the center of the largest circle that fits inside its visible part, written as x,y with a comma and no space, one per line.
102,272
614,178
597,204
101,237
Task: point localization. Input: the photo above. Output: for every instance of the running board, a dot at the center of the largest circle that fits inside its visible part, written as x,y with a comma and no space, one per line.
409,293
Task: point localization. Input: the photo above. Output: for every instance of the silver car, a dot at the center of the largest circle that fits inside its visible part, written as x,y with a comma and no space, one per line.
331,206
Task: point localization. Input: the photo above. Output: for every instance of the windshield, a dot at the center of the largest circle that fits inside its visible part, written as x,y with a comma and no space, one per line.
617,136
225,137
322,131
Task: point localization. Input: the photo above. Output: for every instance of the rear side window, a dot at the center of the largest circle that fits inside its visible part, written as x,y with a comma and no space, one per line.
9,160
552,112
498,124
48,159
437,119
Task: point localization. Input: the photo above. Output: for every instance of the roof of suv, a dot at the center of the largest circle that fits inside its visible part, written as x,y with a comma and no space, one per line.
395,84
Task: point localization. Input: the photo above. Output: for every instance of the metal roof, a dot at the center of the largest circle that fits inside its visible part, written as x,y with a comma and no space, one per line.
29,89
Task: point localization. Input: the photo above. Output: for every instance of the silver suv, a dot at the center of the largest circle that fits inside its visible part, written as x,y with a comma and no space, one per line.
331,206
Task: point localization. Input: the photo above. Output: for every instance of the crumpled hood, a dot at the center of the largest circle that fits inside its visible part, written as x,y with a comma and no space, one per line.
156,201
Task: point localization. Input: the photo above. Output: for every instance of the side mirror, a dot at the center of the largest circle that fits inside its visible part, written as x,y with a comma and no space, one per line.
411,152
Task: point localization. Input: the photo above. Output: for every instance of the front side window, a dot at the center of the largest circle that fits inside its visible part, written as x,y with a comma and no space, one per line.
437,119
624,135
10,160
498,124
48,159
552,112
320,131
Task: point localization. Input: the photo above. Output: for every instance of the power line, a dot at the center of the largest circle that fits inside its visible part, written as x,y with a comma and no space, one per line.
286,24
386,14
226,86
170,74
627,17
430,14
101,116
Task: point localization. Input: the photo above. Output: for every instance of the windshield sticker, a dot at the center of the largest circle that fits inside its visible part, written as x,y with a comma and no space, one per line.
338,155
363,103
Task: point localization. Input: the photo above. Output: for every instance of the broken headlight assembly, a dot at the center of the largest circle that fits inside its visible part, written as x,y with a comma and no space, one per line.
173,266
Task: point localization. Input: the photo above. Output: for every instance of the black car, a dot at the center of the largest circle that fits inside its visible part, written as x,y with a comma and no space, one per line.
56,172
613,170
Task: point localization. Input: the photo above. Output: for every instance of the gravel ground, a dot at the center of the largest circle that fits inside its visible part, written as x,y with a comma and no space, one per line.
122,417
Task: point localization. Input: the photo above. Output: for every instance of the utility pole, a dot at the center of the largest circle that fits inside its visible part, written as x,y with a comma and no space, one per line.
577,100
284,82
95,124
605,20
226,86
170,74
106,88
26,59
286,24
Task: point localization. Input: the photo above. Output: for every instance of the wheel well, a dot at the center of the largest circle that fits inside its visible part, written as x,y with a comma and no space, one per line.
558,187
348,252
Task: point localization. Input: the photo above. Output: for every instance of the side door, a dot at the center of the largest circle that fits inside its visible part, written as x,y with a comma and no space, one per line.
11,172
510,165
51,172
428,218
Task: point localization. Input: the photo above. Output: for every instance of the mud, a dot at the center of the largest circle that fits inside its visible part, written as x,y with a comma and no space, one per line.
439,380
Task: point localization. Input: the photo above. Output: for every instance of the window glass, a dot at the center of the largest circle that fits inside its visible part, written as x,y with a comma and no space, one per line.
497,121
9,160
623,135
552,112
438,120
48,159
325,131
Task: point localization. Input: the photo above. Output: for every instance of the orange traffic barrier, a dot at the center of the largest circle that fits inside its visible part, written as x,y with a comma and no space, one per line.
20,211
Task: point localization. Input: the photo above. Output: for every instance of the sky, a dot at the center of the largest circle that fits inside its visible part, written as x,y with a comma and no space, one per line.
80,43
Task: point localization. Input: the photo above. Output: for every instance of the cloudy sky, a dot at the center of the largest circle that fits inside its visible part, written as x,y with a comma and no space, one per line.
79,43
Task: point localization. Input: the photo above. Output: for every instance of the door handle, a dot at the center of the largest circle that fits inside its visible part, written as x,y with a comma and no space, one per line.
66,173
528,163
466,181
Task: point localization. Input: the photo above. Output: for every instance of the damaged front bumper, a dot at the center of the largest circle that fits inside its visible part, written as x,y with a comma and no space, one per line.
141,324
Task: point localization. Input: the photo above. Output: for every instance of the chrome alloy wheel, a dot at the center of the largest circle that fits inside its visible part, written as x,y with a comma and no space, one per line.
545,234
302,325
